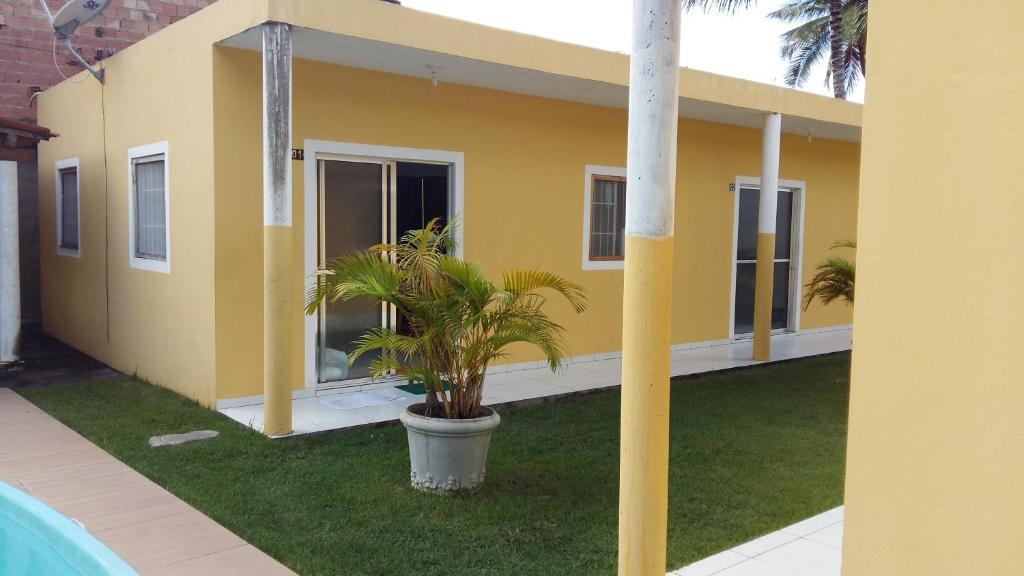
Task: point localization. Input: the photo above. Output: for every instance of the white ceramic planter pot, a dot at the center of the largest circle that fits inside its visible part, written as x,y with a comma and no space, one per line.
448,456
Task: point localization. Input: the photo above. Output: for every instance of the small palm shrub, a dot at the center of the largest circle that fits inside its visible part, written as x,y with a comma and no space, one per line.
833,279
458,321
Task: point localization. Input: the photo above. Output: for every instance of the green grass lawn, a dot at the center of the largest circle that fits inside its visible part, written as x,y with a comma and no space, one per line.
752,451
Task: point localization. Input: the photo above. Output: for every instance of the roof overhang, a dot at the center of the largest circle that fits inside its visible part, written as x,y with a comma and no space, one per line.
394,39
18,139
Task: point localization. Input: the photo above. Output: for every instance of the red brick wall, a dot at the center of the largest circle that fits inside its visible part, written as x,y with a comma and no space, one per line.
26,43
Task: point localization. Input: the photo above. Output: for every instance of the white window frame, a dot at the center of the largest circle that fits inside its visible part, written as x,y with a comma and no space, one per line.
59,167
590,171
799,189
145,151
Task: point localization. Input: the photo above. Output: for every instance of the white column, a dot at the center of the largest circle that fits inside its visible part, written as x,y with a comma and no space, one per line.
764,278
647,287
277,228
653,119
10,272
770,143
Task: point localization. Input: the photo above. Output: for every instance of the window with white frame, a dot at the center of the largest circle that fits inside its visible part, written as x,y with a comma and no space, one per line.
604,241
66,180
149,238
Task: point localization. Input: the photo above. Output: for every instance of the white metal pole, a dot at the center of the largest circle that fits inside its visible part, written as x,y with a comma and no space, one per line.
10,272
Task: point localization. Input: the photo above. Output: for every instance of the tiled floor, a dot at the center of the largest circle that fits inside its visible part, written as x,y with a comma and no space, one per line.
812,547
151,529
316,414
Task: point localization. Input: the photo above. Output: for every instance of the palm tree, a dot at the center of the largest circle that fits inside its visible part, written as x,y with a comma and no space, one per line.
838,26
833,279
458,321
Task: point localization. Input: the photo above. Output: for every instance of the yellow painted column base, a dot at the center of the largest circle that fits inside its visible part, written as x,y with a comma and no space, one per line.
764,280
277,389
643,460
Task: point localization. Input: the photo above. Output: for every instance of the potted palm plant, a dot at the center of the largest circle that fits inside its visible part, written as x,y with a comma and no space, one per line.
455,323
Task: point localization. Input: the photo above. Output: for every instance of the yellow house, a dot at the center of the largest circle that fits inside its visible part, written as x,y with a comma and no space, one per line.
394,116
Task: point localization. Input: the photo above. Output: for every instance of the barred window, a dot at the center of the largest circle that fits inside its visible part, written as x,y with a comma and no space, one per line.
607,218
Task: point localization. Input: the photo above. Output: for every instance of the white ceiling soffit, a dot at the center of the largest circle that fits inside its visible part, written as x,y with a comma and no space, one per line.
381,56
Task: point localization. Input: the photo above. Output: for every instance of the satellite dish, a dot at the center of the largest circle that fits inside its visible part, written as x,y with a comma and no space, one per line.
74,14
69,18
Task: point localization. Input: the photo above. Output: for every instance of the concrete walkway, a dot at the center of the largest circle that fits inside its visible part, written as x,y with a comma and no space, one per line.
812,547
152,530
382,402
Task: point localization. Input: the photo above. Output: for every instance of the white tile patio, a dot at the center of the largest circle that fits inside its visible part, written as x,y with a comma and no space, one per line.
517,383
812,547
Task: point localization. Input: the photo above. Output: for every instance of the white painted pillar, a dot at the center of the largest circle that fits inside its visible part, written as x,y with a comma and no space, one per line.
10,272
647,286
764,278
277,228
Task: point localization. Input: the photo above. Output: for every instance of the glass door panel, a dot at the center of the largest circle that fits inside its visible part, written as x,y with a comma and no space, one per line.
353,203
780,296
744,317
784,226
746,232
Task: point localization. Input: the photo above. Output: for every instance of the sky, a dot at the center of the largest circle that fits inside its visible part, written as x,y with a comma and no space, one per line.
744,45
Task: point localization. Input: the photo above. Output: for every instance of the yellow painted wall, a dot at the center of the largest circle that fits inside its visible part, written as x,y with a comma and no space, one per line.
159,326
936,444
524,181
73,290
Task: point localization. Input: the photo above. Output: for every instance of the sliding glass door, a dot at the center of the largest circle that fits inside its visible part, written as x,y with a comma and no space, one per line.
746,261
364,202
354,215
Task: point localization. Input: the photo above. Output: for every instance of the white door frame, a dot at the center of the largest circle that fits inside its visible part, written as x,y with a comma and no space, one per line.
799,189
311,197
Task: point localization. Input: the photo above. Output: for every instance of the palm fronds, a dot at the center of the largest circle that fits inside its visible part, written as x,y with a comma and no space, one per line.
459,321
804,46
833,279
718,5
812,40
836,29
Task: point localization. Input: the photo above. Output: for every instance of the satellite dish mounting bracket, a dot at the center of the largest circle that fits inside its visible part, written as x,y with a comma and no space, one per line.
74,14
97,73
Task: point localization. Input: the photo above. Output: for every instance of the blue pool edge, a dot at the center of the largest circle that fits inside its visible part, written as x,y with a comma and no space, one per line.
74,543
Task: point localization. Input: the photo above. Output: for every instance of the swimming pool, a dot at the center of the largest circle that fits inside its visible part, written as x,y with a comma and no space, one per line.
36,540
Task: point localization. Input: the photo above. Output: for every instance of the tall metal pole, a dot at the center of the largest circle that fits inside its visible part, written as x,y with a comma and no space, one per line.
647,298
764,275
277,228
10,271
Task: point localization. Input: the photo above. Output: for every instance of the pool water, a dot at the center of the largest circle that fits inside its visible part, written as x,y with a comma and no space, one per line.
22,552
36,540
